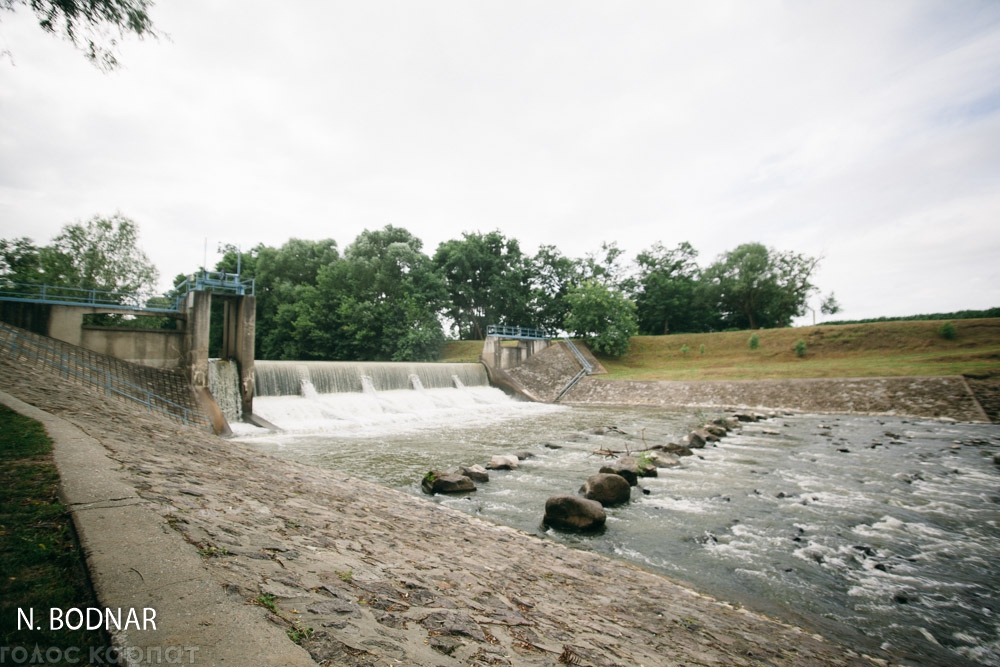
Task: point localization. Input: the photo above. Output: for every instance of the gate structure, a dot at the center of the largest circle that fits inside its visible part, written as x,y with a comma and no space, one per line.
58,312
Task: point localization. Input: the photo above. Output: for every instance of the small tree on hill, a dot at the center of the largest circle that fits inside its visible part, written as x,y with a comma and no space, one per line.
603,316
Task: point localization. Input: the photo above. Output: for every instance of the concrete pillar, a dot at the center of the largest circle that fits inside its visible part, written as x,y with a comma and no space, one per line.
199,318
243,352
66,324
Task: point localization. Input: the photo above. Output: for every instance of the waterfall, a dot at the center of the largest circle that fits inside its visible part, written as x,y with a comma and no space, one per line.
286,378
224,384
368,397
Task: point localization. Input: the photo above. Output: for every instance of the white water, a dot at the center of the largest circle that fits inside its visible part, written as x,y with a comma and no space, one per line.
880,533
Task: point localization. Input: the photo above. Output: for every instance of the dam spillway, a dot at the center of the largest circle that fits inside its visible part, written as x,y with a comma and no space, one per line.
371,398
287,378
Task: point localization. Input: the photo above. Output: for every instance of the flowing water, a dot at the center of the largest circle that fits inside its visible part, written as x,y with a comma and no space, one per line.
877,532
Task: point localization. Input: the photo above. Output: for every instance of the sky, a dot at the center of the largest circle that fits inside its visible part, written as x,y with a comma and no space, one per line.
865,133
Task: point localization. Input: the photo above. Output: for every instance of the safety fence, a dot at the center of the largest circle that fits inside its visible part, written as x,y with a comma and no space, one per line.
119,379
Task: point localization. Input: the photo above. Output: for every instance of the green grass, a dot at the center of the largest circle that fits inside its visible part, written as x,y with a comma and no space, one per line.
847,350
41,565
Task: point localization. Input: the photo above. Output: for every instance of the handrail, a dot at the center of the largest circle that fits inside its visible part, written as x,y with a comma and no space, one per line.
585,368
69,365
579,355
214,281
526,333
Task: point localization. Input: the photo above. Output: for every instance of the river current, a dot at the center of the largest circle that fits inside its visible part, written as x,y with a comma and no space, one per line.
882,533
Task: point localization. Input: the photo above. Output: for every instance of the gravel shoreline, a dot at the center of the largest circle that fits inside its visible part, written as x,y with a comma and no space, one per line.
361,574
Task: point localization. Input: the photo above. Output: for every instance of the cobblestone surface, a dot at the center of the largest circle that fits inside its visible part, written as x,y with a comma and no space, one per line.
364,575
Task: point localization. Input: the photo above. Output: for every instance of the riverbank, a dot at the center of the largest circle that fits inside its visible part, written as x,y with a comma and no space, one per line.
358,574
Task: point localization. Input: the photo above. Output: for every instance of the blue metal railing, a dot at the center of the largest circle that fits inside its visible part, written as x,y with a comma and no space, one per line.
69,366
213,281
585,368
517,332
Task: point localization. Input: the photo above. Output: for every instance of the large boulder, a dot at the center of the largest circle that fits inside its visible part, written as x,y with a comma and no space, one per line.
573,513
716,430
661,459
728,423
502,462
607,488
695,440
476,473
625,466
439,481
677,450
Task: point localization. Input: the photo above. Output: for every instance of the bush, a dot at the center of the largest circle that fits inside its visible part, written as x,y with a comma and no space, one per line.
702,349
754,342
800,348
684,350
948,331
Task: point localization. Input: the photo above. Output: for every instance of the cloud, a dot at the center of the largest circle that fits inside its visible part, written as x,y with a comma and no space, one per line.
860,131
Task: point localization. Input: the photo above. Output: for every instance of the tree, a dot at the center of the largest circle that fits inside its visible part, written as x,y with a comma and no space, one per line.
20,261
487,281
91,24
603,316
606,266
102,254
669,296
381,302
830,305
753,286
551,274
280,275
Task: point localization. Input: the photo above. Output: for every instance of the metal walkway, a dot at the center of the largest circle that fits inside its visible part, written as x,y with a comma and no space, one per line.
218,282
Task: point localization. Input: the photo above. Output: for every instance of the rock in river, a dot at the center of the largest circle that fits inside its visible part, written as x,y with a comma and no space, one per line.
573,513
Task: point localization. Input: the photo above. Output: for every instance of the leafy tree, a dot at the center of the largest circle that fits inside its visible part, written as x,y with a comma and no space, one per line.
603,316
753,286
830,305
551,275
381,302
91,24
487,282
280,275
606,267
103,254
669,293
20,261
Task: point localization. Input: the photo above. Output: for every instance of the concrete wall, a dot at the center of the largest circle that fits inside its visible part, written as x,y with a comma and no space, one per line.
504,354
157,348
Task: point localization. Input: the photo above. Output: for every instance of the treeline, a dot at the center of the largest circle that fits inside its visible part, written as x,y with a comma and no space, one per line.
384,298
958,315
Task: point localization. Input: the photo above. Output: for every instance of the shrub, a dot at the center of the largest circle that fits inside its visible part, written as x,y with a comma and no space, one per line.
947,331
754,342
702,348
685,349
800,348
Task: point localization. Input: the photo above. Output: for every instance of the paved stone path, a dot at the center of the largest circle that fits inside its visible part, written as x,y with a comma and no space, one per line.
360,574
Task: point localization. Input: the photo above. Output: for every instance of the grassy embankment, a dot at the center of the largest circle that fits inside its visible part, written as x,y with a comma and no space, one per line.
40,559
843,350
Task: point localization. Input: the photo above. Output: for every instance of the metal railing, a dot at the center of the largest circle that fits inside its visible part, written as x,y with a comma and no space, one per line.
517,332
25,345
579,355
212,281
585,368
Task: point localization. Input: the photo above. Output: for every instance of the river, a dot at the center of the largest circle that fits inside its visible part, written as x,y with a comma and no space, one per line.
874,531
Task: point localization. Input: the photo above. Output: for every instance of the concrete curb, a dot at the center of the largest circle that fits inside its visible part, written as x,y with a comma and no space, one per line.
137,562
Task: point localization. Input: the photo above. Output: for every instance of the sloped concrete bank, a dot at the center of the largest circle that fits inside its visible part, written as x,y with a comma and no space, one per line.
929,397
360,574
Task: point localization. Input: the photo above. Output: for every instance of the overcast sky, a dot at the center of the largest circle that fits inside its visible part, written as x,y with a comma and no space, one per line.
864,132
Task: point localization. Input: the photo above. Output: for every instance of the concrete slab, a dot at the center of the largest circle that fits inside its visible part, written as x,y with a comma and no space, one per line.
138,563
